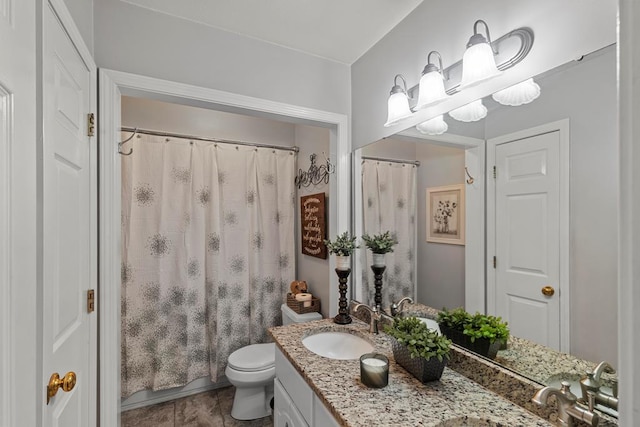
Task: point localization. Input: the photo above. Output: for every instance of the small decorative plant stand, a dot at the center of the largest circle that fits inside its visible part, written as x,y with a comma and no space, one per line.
343,318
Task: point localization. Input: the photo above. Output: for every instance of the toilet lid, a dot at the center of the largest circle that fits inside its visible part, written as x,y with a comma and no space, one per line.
255,357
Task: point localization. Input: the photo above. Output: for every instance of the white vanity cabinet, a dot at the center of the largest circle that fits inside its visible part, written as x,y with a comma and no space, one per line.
295,404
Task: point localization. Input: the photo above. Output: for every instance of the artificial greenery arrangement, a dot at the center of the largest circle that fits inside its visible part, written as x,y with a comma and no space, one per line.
380,243
343,245
423,352
475,326
419,339
480,333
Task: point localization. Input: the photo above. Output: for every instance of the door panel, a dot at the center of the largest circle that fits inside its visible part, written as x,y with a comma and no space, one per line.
527,222
18,203
68,226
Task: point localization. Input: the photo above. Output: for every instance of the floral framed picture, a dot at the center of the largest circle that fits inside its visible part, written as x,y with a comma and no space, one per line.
445,214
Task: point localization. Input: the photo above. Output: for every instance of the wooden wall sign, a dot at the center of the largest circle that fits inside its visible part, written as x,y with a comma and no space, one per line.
312,214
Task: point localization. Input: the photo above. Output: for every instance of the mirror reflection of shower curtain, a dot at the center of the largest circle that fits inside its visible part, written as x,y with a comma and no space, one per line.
207,254
389,203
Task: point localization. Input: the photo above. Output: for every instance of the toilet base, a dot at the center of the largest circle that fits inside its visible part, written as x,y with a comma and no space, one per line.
252,403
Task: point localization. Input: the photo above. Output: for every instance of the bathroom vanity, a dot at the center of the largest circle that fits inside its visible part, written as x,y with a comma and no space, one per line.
311,390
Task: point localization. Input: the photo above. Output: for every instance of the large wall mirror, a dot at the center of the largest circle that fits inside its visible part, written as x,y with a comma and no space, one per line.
562,234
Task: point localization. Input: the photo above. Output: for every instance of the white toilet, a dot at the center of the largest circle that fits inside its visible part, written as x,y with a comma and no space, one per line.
251,370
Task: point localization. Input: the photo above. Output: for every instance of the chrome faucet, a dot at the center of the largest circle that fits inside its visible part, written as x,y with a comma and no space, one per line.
396,307
374,314
568,407
591,392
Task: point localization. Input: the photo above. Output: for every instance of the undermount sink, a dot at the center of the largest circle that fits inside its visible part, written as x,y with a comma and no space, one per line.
337,345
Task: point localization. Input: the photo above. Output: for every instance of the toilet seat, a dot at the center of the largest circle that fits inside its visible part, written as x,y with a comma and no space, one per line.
255,357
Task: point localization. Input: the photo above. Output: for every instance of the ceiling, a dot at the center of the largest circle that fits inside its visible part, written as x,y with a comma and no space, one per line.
340,30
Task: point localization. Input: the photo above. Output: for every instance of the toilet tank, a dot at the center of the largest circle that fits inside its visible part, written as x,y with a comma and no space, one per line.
289,316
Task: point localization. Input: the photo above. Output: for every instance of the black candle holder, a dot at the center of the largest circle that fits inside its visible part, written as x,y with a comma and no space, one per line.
377,275
343,318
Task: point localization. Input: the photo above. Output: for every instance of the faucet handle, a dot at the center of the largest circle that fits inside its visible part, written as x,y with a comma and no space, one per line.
591,400
565,389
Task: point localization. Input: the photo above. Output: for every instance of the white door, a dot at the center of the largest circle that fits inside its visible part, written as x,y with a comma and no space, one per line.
527,227
18,255
69,226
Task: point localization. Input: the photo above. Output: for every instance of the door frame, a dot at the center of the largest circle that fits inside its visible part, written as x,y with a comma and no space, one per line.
561,126
114,83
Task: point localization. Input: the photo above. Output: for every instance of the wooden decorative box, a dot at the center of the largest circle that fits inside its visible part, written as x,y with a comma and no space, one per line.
298,306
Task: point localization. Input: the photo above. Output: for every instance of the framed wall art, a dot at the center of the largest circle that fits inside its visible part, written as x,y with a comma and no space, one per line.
312,212
445,214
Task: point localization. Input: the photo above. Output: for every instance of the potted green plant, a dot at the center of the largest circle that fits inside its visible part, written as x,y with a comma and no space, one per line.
343,246
423,352
479,333
379,244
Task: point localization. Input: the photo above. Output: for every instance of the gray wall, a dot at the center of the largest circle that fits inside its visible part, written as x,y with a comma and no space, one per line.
82,14
440,265
314,270
563,31
140,41
585,92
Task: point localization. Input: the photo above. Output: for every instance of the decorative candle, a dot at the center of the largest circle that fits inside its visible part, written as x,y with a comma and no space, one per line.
305,298
374,370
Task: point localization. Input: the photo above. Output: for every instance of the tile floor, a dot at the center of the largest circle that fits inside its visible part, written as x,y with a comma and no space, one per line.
209,409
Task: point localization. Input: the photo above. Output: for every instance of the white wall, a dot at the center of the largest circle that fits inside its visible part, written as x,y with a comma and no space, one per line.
182,119
440,265
563,31
314,270
140,41
629,295
584,92
82,14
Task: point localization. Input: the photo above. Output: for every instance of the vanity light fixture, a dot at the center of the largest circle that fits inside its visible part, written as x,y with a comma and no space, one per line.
518,94
398,104
478,62
435,126
472,112
431,89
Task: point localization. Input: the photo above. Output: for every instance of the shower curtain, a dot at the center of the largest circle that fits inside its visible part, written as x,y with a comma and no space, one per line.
208,251
389,204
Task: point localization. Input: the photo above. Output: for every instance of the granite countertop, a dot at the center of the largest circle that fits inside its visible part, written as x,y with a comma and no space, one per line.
453,401
520,370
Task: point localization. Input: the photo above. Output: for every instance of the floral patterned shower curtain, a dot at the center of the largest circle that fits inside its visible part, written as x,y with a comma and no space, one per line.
208,251
389,203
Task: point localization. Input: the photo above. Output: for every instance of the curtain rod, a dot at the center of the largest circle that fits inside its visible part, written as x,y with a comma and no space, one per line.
200,138
381,159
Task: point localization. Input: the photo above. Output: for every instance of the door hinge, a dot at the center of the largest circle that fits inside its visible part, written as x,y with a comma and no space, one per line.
495,172
495,262
91,301
91,124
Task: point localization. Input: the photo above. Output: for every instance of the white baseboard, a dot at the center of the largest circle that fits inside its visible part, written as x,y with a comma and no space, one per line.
148,397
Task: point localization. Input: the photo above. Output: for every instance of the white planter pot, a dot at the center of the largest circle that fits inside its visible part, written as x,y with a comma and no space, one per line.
343,262
378,260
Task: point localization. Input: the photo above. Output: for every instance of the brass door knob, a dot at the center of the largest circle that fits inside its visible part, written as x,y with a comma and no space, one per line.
548,291
67,383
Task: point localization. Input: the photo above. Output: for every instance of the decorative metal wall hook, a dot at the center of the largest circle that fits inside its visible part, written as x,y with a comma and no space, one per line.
315,174
471,179
120,144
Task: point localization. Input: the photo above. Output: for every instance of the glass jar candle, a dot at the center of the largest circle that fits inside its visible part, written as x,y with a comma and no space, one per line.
374,370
